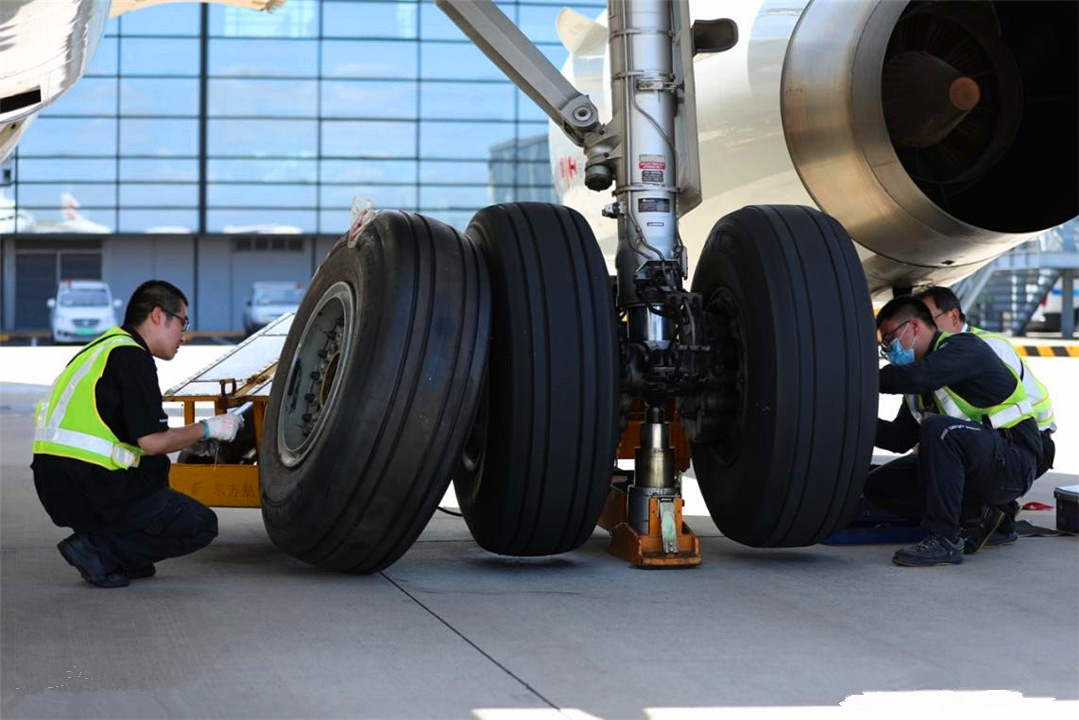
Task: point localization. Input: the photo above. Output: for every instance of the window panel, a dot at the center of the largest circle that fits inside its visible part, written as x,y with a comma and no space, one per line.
255,170
218,220
159,96
112,27
455,196
373,138
51,195
369,171
383,196
105,59
90,137
172,19
369,19
359,98
163,169
481,101
266,98
37,170
159,136
159,56
158,220
372,59
456,61
334,222
89,96
261,195
472,141
456,171
294,19
273,58
159,195
296,138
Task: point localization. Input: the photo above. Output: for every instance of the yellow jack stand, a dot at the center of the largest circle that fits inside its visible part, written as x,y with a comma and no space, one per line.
669,543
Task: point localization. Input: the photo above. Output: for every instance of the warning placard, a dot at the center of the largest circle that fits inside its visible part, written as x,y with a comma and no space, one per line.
651,162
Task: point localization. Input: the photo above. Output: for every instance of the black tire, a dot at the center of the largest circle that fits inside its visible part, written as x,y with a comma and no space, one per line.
789,307
397,390
536,474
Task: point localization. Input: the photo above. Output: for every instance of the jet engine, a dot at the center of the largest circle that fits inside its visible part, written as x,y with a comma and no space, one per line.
940,134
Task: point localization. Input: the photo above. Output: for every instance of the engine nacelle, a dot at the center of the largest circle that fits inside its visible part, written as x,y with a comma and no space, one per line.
940,134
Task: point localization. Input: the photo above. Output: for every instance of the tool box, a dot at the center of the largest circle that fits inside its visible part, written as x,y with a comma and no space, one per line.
1067,498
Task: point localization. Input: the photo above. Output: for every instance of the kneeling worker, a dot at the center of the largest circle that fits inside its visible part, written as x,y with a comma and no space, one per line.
969,415
100,444
944,306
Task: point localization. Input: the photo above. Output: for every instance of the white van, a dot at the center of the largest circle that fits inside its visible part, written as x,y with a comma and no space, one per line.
269,301
81,311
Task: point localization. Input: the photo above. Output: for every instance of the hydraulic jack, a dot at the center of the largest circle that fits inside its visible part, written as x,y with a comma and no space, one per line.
644,515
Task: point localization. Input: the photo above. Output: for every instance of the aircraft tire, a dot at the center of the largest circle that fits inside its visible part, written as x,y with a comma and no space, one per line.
356,457
784,290
535,475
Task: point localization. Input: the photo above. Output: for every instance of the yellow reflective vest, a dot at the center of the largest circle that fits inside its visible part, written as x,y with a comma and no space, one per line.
1037,393
68,423
1015,408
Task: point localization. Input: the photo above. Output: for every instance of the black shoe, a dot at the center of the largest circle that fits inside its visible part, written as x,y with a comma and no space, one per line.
1002,537
934,550
79,554
976,535
142,572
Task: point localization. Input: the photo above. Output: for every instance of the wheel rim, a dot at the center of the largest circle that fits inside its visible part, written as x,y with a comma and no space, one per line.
314,385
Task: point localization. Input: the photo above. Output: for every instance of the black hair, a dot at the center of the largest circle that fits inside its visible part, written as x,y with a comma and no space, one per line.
943,298
151,294
904,308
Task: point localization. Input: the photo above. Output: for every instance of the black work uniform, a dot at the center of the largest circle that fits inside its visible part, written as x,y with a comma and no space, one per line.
959,462
131,517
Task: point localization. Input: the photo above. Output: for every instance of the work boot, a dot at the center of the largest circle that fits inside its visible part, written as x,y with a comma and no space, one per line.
142,572
977,535
934,550
82,556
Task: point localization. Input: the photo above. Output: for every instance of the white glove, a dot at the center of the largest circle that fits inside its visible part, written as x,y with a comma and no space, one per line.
222,427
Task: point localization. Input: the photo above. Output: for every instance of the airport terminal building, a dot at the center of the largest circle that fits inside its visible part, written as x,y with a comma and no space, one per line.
215,147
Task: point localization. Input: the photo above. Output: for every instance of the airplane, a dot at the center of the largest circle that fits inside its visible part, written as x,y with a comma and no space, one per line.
875,145
72,220
47,46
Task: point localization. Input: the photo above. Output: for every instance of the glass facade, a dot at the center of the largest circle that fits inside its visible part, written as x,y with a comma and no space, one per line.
213,118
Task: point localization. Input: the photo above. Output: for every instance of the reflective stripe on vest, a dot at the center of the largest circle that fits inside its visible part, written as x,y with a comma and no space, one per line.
1037,393
1015,408
68,423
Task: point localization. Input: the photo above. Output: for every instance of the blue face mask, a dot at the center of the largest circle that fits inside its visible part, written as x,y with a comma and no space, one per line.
899,355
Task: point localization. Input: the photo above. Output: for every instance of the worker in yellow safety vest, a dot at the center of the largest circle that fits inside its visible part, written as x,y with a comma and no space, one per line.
100,443
944,306
969,415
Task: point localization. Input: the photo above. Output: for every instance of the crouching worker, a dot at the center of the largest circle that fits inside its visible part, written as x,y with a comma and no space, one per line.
100,444
969,415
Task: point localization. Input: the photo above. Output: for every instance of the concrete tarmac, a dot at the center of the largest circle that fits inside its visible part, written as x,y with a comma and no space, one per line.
451,631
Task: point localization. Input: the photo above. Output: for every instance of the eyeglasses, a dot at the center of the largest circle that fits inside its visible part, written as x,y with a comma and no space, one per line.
184,322
886,339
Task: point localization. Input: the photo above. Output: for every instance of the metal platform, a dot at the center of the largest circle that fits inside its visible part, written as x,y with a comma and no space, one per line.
242,375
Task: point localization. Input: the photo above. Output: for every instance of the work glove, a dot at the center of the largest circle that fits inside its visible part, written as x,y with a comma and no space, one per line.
222,427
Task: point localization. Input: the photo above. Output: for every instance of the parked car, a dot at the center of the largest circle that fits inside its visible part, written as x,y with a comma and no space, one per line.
269,301
81,311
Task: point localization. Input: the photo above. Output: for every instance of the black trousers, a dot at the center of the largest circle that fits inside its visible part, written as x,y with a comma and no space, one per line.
163,525
960,466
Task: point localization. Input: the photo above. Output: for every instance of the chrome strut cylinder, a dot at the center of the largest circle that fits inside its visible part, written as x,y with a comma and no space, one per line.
644,98
654,473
